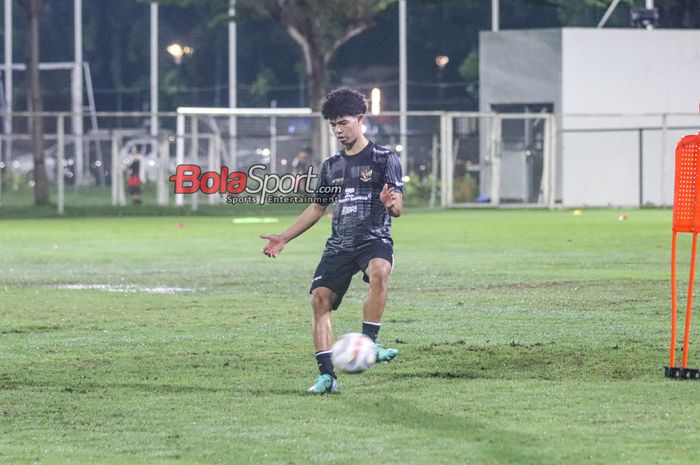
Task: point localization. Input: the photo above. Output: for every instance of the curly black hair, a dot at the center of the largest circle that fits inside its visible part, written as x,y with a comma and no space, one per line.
344,102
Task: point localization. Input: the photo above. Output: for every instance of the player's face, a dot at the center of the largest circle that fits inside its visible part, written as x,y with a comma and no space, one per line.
347,128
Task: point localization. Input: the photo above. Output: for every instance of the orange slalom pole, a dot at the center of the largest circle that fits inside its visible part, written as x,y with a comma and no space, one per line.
689,309
674,300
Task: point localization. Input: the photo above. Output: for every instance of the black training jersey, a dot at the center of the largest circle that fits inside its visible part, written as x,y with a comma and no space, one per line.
358,214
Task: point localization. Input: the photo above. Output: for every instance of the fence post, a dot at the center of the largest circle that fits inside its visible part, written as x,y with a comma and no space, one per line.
549,156
273,138
162,180
641,167
120,171
434,170
496,161
180,150
325,141
444,173
449,157
233,139
115,169
211,155
60,140
217,159
194,155
552,161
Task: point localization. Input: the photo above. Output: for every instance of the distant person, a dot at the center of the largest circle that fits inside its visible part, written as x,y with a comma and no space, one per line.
134,183
371,192
300,164
301,161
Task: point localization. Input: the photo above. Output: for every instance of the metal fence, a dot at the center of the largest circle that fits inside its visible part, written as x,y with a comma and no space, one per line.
450,159
619,159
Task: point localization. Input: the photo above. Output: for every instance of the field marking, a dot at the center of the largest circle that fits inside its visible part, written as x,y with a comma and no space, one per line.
255,220
126,288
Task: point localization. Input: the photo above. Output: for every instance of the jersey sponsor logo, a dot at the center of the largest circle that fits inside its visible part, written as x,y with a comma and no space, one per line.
353,198
366,175
349,209
317,277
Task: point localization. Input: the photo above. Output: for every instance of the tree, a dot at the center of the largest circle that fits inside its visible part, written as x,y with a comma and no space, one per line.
319,27
679,13
34,10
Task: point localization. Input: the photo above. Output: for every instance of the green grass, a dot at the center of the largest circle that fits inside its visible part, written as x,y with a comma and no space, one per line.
17,202
526,337
92,201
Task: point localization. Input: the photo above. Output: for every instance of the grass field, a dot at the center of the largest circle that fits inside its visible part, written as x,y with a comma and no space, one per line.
526,337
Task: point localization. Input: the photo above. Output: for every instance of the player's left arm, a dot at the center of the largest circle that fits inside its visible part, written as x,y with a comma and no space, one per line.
392,192
392,200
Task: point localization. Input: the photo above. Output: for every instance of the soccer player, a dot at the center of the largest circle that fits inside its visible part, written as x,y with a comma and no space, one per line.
368,178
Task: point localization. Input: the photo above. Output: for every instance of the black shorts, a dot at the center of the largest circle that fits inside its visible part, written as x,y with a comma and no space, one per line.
335,271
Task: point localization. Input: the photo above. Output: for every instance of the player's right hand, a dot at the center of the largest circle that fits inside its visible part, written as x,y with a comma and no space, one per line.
274,245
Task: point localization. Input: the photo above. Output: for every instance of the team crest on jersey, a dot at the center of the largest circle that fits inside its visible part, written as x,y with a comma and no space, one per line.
366,175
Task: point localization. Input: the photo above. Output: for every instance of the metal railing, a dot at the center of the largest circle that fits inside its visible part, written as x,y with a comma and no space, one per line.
452,159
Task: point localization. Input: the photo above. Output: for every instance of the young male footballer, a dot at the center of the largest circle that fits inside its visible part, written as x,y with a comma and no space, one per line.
368,178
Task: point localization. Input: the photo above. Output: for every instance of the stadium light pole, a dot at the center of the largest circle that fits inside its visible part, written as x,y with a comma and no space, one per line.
403,94
77,89
232,83
154,72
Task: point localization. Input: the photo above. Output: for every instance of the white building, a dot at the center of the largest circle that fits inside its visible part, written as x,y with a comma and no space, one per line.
609,89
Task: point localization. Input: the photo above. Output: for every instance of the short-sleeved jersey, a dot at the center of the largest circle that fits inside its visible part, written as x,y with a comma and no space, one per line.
358,214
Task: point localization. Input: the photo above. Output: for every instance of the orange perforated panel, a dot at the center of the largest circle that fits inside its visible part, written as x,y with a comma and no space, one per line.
686,200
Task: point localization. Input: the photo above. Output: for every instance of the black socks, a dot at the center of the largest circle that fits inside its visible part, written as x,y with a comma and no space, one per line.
371,330
323,358
325,366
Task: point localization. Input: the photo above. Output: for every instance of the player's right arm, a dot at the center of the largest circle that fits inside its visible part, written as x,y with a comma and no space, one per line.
308,218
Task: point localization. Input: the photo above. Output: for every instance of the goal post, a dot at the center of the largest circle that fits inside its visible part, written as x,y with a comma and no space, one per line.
189,130
467,159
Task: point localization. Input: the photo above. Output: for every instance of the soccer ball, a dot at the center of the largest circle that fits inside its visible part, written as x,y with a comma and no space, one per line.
354,353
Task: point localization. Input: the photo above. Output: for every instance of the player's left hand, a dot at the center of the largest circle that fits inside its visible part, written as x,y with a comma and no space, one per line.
388,196
274,245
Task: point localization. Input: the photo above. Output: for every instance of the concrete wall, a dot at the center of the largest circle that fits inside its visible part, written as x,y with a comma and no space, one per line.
630,70
531,76
520,67
602,73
